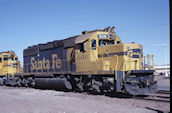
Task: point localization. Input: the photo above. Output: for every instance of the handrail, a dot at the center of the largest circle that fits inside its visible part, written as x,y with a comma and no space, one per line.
116,67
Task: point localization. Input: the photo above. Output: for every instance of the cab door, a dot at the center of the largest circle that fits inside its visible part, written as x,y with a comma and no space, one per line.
93,50
95,64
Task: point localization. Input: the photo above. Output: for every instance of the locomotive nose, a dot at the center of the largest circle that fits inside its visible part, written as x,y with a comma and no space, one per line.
145,82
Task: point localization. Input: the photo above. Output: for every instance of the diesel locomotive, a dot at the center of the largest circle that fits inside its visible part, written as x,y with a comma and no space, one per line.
95,61
9,65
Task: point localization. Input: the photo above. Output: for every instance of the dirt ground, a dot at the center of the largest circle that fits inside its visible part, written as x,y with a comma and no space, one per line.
28,100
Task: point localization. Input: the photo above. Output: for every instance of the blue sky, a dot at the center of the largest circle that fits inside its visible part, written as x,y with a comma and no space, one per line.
25,23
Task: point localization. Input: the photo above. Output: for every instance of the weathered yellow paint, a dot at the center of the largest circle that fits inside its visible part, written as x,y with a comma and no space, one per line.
9,63
106,65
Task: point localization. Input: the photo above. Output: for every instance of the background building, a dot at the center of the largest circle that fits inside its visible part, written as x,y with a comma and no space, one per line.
162,69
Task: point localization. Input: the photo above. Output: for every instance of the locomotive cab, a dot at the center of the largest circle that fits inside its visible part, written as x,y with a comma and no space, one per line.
104,51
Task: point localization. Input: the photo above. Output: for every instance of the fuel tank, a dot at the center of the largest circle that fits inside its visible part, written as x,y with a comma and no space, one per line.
53,83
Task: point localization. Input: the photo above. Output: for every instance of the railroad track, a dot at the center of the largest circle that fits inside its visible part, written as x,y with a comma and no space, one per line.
160,96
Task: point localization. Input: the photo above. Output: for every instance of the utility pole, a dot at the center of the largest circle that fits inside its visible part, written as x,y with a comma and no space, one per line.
163,45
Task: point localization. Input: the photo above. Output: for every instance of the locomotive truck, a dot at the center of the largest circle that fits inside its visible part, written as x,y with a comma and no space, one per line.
95,61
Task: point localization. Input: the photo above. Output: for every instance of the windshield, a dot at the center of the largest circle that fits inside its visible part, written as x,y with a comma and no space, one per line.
105,42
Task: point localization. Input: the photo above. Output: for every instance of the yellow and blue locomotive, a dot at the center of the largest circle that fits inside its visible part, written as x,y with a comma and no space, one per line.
94,61
9,65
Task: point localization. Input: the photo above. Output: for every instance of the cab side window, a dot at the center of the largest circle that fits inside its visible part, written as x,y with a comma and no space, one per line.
118,42
83,47
5,58
0,59
93,44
